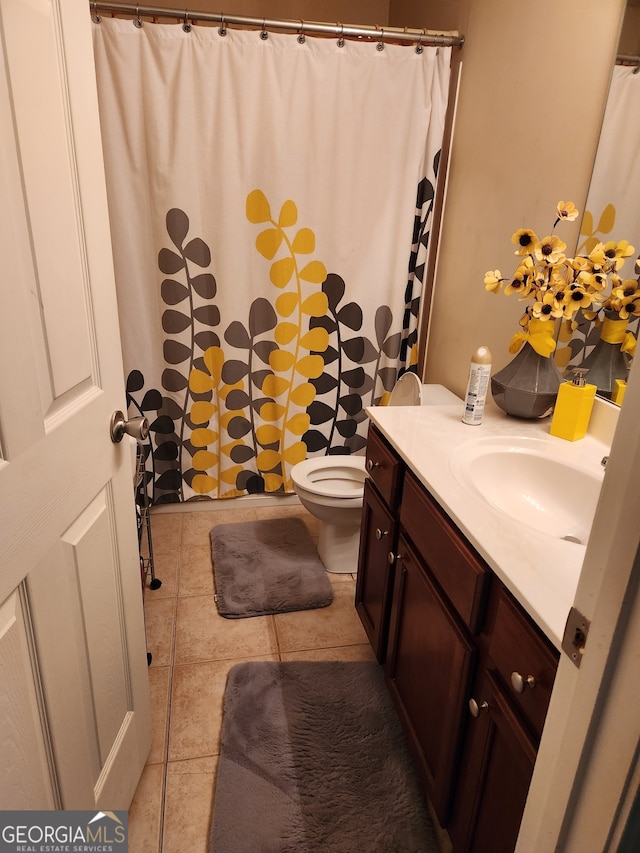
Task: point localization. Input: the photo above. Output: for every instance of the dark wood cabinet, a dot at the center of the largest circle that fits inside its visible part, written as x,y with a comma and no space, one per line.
507,710
428,671
469,672
496,773
378,536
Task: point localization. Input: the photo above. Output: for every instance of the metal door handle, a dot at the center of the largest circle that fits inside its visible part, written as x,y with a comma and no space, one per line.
137,428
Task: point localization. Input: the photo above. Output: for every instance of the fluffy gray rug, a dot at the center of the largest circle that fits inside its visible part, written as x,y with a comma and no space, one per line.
313,760
269,566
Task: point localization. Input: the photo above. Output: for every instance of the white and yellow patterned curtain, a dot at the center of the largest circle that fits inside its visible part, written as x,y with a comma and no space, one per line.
271,206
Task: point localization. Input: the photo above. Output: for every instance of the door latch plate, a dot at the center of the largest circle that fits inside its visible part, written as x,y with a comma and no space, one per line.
575,636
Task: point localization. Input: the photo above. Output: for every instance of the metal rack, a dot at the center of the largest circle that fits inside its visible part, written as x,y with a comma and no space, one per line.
145,542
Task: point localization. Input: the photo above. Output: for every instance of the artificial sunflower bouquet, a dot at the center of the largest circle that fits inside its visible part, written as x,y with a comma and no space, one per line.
557,287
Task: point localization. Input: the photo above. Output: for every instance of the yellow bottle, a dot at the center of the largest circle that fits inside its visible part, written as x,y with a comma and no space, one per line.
573,408
619,389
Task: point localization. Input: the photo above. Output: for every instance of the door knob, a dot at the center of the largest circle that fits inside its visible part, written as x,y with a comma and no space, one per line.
137,428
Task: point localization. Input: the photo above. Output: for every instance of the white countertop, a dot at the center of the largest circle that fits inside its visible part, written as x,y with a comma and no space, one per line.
541,571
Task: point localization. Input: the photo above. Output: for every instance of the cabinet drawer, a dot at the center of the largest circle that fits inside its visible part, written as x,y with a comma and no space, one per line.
524,658
462,575
384,468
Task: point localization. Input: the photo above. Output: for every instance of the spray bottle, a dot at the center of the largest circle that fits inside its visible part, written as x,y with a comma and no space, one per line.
477,386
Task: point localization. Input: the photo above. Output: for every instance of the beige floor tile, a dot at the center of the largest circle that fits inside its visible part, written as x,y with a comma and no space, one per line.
339,577
166,530
206,764
196,708
145,812
342,653
159,688
165,565
206,646
202,634
327,627
196,572
197,525
188,806
160,616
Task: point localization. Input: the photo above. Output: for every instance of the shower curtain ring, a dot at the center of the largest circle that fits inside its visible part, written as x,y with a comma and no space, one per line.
139,23
187,23
419,48
380,45
223,30
264,35
341,39
301,36
95,17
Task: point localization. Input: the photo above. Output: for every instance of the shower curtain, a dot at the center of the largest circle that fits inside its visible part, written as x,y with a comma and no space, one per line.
612,211
271,202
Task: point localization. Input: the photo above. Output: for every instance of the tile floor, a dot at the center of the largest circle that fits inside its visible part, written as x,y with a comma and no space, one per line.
193,648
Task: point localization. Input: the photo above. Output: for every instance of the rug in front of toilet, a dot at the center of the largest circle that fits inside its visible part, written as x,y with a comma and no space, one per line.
265,567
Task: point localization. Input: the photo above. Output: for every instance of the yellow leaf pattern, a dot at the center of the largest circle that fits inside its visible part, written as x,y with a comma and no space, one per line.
299,347
287,303
258,209
286,332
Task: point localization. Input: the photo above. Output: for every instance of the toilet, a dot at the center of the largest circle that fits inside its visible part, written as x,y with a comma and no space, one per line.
331,488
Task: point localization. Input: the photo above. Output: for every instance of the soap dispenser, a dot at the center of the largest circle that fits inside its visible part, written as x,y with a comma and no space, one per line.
573,408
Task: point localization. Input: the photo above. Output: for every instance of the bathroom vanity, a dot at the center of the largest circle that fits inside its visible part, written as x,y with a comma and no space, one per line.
465,607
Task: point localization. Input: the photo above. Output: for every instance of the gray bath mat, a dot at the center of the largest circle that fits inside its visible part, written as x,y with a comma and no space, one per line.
313,760
269,566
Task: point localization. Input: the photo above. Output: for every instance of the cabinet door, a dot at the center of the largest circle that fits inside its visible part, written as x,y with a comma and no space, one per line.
375,571
429,670
496,772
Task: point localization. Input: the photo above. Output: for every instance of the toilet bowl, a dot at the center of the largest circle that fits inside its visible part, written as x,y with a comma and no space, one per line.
331,488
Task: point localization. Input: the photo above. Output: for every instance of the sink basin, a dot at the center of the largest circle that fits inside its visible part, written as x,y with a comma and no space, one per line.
532,482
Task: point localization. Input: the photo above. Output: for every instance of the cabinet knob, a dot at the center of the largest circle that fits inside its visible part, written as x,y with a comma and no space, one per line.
475,710
371,465
392,558
381,533
519,682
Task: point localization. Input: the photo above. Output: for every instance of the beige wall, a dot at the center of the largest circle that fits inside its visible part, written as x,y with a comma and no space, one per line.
368,12
630,35
430,14
528,118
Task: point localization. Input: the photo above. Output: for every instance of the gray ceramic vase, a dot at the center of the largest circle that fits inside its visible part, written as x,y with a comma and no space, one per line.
605,363
528,386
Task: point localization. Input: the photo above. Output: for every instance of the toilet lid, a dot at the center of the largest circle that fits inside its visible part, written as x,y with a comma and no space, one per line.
331,476
407,391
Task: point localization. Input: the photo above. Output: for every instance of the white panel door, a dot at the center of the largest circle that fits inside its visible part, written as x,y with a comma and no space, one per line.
74,700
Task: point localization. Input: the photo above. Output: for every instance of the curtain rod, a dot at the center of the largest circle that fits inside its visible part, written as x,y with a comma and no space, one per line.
627,59
420,37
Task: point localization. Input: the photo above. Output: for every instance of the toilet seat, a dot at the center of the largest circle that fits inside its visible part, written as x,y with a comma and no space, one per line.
406,392
331,476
